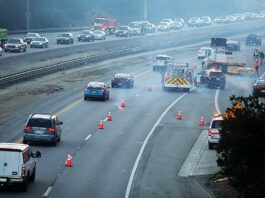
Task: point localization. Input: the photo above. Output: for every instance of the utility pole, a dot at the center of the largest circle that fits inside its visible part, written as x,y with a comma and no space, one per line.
145,10
28,15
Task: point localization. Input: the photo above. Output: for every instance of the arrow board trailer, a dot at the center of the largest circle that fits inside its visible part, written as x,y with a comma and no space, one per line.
178,77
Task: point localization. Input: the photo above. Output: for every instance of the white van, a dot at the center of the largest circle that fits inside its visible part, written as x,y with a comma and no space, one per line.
17,164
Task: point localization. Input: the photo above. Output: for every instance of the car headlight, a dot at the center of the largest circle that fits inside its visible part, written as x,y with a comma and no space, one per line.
17,46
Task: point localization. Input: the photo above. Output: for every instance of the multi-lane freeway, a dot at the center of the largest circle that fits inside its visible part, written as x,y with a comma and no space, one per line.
140,152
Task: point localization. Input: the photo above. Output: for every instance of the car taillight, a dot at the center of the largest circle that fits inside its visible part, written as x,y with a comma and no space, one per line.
23,171
209,133
213,132
209,78
51,129
103,90
27,128
86,88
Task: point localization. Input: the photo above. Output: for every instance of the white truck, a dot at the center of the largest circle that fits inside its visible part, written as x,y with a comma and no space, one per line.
160,63
178,77
227,62
17,164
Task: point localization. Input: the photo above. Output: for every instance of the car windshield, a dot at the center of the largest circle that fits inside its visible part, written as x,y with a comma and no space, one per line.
63,35
123,28
216,124
122,75
162,58
216,74
39,122
13,41
85,32
38,39
31,35
95,85
101,21
134,25
98,32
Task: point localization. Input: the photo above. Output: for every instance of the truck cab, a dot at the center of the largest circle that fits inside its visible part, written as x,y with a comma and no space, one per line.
17,164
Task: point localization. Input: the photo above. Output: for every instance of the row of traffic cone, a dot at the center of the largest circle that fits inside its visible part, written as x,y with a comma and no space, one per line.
179,117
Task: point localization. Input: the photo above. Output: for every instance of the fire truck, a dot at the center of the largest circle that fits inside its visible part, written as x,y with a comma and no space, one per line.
178,76
105,24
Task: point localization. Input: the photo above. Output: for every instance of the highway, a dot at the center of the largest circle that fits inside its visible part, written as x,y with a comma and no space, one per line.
103,160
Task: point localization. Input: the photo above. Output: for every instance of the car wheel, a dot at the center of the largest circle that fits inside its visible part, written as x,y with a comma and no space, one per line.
24,185
210,145
85,98
59,139
112,85
6,50
31,46
32,177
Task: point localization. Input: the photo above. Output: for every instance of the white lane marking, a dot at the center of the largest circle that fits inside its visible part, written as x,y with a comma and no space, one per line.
46,194
87,138
137,95
105,120
142,73
216,101
129,185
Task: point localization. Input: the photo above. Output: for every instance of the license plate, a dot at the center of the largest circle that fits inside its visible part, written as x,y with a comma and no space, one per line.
215,137
2,179
263,91
119,83
39,132
217,78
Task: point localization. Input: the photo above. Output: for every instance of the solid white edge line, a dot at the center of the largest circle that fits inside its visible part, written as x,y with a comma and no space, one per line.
46,194
87,138
129,185
216,101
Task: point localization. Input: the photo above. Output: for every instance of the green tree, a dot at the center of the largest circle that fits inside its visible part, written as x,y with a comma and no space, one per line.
241,152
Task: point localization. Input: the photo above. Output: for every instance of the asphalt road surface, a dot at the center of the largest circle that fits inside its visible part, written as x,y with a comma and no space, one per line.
104,159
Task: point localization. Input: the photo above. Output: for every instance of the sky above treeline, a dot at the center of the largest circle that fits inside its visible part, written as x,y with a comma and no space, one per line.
61,13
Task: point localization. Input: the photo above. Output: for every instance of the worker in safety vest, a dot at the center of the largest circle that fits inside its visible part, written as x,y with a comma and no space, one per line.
256,54
262,56
256,65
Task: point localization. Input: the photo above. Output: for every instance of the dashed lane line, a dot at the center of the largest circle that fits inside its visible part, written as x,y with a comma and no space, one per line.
216,101
46,194
88,137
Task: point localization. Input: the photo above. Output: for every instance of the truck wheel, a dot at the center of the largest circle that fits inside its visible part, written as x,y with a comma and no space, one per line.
24,185
210,146
32,177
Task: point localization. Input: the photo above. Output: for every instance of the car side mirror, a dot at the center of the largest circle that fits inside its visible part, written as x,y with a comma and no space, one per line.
36,155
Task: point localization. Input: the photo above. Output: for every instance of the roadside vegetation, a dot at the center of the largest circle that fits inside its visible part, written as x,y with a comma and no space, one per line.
241,153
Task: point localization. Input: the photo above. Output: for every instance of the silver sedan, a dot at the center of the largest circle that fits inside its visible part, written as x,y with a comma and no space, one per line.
99,35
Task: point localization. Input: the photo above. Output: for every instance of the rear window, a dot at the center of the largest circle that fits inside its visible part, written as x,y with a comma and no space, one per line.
39,122
96,85
216,74
216,124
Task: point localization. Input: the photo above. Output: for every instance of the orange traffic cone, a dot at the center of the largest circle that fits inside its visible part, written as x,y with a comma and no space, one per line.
101,125
122,103
68,162
149,88
202,121
109,117
179,117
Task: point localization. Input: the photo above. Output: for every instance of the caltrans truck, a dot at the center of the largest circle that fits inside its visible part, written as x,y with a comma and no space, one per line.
3,36
178,77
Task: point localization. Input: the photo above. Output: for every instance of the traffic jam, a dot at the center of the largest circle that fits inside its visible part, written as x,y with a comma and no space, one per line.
217,63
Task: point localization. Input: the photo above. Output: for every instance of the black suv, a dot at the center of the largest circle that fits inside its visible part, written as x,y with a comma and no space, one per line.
211,79
42,128
253,39
65,38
